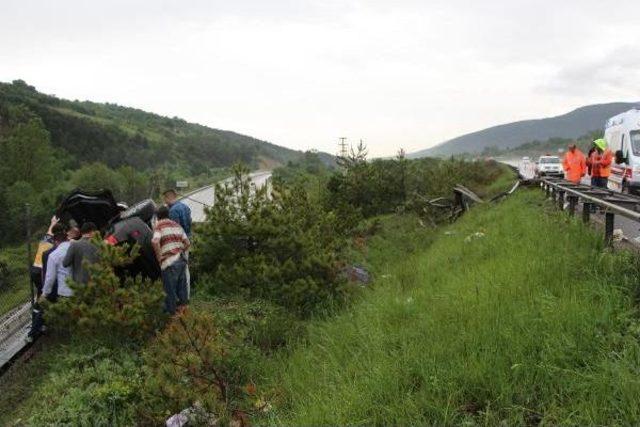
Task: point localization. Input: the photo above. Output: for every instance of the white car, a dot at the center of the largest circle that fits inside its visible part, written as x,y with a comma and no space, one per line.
549,166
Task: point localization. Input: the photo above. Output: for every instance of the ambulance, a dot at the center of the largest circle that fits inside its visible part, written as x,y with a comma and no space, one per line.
622,133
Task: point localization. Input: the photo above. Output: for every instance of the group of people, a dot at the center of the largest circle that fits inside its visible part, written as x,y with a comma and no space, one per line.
60,256
597,163
67,249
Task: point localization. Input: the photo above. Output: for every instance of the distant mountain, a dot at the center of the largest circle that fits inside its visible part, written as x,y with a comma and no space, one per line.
87,132
571,125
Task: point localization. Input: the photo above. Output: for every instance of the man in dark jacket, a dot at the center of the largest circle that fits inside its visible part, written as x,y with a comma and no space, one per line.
80,251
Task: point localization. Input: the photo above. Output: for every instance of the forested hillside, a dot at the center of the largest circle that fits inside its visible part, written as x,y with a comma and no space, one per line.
539,148
51,145
571,125
120,136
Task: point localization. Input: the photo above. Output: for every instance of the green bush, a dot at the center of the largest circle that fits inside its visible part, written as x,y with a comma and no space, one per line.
260,324
383,186
194,362
110,307
280,247
90,386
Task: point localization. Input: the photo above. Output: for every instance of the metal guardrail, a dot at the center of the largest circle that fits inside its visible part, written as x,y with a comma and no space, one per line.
17,298
611,202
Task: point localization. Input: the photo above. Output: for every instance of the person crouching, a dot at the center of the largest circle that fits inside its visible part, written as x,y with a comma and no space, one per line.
170,244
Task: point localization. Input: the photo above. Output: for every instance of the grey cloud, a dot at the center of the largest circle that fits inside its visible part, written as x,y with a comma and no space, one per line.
615,73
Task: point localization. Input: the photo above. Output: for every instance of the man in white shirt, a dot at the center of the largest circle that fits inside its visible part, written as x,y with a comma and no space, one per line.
57,272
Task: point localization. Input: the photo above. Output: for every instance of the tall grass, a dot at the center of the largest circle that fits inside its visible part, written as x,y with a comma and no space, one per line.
14,278
529,321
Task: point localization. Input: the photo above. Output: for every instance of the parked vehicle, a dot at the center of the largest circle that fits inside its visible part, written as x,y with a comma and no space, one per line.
117,223
622,133
549,166
526,168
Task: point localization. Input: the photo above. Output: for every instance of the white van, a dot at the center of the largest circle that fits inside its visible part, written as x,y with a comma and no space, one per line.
622,133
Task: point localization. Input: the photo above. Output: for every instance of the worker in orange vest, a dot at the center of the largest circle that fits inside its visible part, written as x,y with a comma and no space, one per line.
600,163
574,164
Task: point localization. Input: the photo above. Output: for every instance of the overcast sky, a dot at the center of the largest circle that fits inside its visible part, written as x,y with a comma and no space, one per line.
301,73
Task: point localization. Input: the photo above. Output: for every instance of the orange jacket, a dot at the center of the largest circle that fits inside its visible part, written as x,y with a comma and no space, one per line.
574,165
600,163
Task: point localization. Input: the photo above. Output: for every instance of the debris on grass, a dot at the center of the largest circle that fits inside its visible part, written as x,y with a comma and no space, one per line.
474,236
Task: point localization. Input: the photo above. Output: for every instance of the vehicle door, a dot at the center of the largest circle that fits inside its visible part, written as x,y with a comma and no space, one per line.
616,141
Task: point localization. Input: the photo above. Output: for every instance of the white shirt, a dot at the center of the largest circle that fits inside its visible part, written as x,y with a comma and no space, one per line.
57,272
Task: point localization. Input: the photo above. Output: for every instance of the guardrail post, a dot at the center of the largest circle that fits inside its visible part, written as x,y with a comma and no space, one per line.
573,201
608,228
27,228
561,200
586,212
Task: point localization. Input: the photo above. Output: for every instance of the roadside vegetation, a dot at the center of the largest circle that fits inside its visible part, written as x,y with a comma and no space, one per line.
51,146
513,314
13,274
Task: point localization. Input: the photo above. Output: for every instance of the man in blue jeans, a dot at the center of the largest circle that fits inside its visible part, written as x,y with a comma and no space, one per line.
180,213
170,244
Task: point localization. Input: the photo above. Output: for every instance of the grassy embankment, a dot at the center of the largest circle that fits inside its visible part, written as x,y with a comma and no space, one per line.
63,379
533,320
530,321
14,278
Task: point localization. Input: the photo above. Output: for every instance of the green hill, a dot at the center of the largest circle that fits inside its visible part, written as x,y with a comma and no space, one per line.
87,132
51,145
571,125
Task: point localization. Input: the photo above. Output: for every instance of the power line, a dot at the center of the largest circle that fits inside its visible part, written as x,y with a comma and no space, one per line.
344,151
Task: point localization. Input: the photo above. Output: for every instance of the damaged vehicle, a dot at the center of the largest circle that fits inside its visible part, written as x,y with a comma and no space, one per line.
117,223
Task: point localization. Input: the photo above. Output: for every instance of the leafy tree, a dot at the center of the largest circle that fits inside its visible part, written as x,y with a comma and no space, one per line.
27,155
13,210
97,176
134,185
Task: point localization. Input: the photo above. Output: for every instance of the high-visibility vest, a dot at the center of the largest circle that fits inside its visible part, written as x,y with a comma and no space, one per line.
574,165
600,163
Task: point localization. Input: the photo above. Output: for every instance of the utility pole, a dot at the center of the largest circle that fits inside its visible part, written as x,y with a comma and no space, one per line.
344,152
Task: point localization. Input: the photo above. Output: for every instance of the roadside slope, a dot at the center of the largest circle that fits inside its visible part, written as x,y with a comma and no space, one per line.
528,320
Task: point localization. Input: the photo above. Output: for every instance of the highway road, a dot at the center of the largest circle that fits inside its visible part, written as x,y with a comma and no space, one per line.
630,229
199,199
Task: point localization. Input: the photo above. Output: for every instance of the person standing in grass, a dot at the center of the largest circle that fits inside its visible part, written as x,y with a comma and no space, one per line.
574,164
170,243
180,213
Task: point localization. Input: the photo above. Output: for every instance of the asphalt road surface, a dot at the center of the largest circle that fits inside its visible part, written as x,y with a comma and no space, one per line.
204,197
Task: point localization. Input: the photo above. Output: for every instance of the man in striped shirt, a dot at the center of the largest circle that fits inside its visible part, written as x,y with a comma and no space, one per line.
170,243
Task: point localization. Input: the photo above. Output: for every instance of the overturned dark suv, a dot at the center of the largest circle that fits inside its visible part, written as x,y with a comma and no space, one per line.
117,223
